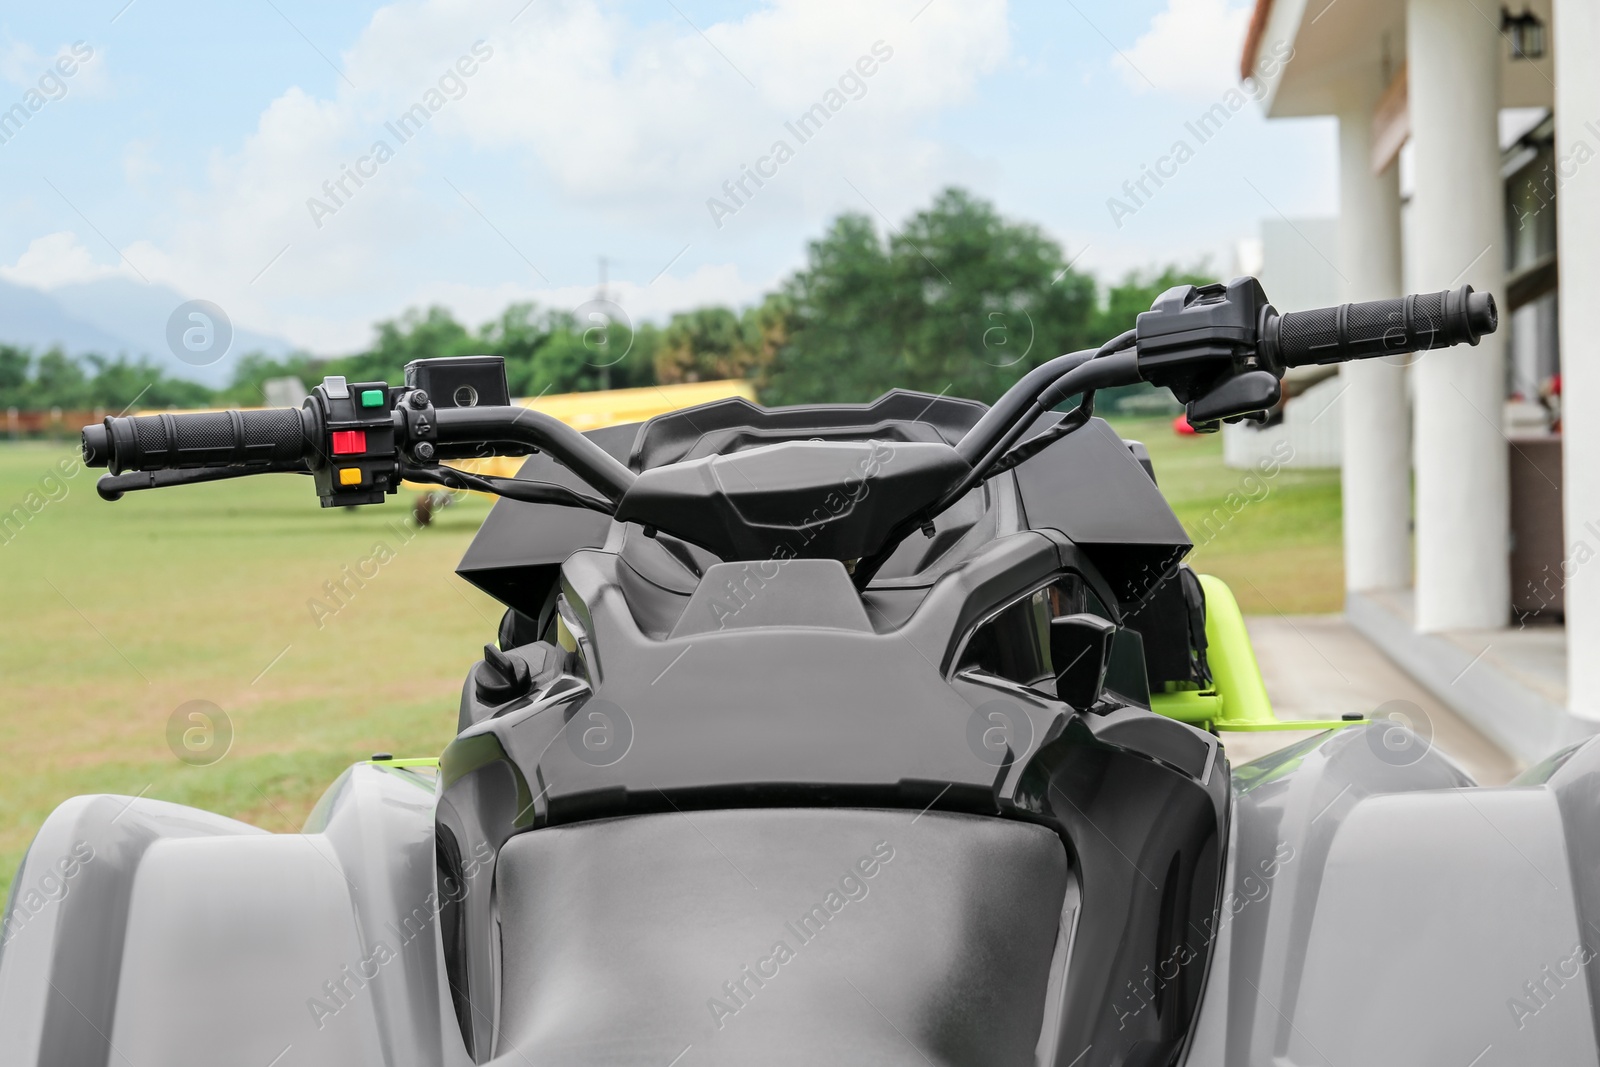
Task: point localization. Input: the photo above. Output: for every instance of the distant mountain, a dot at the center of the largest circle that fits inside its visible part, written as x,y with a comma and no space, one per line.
32,319
115,316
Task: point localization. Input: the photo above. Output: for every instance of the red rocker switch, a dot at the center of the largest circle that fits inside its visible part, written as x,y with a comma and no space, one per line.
349,442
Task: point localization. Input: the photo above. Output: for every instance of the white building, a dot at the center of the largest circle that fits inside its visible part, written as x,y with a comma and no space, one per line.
1438,75
1298,275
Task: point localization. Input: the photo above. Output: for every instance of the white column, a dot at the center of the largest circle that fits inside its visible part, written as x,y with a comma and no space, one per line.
1577,106
1377,423
1463,566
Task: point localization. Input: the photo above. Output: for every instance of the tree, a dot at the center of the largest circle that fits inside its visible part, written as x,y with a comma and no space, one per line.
59,382
14,366
1124,301
704,345
960,301
247,386
555,353
842,343
1137,291
569,361
768,327
118,384
517,335
414,335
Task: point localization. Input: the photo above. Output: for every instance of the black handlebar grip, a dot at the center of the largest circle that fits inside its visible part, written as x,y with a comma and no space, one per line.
1380,327
200,439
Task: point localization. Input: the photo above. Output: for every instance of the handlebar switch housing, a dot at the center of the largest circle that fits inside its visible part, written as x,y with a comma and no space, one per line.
419,426
358,462
1197,340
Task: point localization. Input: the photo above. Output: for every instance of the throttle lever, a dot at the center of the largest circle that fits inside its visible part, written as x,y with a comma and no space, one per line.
1238,395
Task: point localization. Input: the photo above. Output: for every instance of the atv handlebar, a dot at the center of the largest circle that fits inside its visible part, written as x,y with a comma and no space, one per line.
574,451
331,436
1221,349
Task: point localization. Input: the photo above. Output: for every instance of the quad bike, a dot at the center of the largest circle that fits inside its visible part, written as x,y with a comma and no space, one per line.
858,734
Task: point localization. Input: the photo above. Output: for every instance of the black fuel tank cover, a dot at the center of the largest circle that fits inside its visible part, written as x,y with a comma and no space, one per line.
800,499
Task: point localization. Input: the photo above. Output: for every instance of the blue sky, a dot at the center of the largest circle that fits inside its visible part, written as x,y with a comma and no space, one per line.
191,149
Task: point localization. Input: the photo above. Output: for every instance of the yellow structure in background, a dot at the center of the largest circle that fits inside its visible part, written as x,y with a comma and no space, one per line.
614,407
592,411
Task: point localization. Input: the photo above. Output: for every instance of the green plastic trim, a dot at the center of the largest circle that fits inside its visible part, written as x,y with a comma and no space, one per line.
1188,705
1284,724
410,761
1238,698
1234,669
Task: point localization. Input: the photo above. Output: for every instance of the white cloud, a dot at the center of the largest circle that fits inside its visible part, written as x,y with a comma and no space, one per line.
579,119
58,259
1192,48
621,116
23,67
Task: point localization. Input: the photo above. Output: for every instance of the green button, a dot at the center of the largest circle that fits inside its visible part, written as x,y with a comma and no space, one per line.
372,398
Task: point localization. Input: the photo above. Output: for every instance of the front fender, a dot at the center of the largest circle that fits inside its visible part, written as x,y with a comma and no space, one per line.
146,932
1387,912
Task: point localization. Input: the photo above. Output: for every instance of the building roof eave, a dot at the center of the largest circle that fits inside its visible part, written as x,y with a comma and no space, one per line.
1252,38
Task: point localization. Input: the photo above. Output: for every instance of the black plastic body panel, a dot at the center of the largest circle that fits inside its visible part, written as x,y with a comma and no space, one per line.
517,554
1171,620
1081,485
734,424
1089,486
1147,840
833,500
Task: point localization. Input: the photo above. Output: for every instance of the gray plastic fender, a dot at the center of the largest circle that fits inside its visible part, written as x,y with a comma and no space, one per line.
1382,912
143,932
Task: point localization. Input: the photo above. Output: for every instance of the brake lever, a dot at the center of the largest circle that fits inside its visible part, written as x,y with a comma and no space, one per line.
113,486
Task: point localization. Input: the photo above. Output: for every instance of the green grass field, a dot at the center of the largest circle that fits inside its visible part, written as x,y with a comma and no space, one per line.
1278,545
115,615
